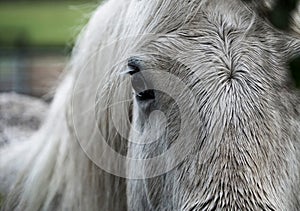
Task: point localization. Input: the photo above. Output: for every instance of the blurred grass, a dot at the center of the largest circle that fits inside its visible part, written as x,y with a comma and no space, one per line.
42,23
1,200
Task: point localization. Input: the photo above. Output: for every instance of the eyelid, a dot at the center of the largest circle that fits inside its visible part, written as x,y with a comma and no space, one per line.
139,83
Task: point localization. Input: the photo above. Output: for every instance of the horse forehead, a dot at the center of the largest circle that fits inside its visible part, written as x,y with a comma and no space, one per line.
207,19
211,36
232,11
217,29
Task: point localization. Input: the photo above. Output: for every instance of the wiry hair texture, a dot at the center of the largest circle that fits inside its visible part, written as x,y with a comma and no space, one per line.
247,154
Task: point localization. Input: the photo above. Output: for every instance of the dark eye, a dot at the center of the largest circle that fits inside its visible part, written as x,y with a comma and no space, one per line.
146,95
139,83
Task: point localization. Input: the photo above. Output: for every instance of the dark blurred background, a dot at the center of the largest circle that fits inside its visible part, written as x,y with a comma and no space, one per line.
36,38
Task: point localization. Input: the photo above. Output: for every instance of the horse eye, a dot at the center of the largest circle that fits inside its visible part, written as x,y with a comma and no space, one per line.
139,83
141,87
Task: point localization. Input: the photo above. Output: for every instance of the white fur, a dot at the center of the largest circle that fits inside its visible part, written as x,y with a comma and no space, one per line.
55,174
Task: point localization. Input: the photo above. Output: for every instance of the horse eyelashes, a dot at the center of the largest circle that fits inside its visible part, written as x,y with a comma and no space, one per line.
134,66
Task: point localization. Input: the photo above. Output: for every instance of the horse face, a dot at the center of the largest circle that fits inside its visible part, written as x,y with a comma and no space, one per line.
214,90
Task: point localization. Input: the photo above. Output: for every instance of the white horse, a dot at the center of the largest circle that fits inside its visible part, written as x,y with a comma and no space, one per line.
168,105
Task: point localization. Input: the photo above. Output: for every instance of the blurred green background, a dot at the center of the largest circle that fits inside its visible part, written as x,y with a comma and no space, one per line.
42,23
36,38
